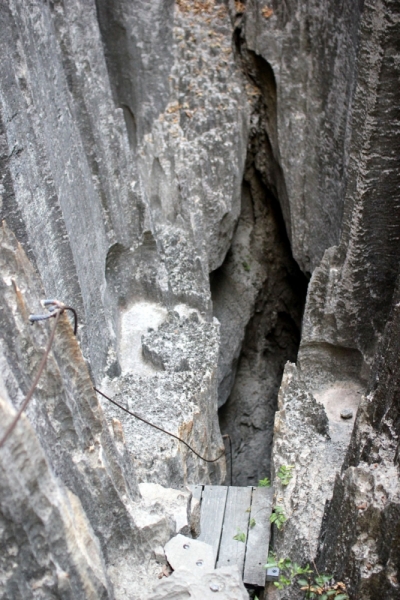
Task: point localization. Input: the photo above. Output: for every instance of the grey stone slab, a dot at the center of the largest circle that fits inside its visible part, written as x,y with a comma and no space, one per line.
197,491
232,552
258,537
194,555
224,584
212,515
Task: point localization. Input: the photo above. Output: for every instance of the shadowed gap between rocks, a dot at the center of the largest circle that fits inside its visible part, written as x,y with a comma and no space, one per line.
259,291
258,297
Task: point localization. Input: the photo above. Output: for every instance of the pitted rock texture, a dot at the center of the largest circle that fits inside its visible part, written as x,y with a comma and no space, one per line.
74,524
349,341
363,547
180,404
185,583
142,147
312,440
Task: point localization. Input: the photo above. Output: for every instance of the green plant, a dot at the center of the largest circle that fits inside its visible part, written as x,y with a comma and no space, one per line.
240,536
287,570
264,482
246,266
278,516
285,473
314,586
322,587
252,523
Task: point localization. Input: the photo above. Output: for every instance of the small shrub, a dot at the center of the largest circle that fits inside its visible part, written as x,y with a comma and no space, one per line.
264,482
285,473
278,516
315,586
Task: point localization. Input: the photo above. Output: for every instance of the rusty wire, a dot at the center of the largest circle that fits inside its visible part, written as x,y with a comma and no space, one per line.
56,314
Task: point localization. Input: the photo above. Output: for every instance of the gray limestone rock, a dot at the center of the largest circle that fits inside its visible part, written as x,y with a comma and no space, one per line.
347,351
175,503
308,436
311,48
144,146
363,546
63,475
224,583
48,545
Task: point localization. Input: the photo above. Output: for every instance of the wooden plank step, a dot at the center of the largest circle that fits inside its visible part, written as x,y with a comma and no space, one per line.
232,552
213,501
258,537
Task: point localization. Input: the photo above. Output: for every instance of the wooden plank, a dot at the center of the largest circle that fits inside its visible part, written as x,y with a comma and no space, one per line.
258,537
232,552
196,490
212,515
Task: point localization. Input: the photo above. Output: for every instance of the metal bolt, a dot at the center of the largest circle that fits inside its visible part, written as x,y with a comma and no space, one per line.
214,587
199,563
346,413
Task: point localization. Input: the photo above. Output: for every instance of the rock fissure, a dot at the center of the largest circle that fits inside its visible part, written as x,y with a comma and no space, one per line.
259,291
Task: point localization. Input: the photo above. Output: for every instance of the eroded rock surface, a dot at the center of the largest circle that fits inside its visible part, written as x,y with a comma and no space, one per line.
176,171
347,350
74,523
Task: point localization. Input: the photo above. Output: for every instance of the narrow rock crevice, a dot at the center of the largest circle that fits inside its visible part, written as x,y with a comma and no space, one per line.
258,297
259,291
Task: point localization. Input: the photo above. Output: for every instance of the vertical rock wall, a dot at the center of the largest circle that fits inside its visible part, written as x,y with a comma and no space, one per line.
346,354
147,145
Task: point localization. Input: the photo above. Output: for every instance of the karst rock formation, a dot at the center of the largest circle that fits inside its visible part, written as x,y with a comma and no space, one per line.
214,187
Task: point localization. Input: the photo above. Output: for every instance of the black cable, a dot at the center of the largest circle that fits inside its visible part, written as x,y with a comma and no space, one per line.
226,435
75,317
159,428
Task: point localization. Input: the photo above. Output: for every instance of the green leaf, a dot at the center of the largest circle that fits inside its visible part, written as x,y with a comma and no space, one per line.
264,482
302,582
307,569
342,597
252,523
240,536
324,597
284,563
331,593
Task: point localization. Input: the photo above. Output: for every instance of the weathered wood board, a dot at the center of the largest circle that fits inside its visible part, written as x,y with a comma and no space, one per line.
213,502
232,552
227,510
258,537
